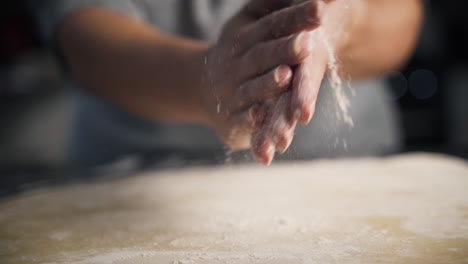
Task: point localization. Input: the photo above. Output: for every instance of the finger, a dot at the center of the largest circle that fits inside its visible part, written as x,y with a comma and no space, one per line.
266,56
279,24
254,10
242,126
306,86
259,8
282,129
266,86
263,148
296,2
276,133
283,139
257,114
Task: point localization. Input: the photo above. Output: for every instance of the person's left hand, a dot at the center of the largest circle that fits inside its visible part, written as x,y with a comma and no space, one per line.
293,107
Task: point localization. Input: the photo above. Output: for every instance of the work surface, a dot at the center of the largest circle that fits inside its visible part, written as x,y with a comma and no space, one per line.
407,209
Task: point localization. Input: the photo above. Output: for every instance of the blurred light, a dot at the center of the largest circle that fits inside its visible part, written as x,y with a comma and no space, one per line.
457,107
423,84
399,85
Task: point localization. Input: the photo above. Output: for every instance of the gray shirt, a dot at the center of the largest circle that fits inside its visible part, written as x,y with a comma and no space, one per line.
376,125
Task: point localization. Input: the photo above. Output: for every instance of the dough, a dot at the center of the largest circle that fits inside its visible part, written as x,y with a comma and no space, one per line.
407,209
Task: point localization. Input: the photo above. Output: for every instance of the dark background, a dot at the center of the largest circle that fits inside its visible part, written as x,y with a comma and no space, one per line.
35,105
435,114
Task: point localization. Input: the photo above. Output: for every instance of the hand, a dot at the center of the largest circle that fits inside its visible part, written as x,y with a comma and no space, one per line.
299,105
251,64
293,107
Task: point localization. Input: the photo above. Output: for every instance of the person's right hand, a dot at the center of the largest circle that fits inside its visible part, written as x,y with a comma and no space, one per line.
252,64
298,104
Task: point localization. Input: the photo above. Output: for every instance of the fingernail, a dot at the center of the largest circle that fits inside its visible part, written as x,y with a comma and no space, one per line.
310,114
270,153
306,120
285,143
283,149
282,74
297,114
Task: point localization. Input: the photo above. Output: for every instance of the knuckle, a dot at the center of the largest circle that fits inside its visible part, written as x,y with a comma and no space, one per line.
283,139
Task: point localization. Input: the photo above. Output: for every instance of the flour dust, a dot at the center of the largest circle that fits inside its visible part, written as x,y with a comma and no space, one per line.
336,83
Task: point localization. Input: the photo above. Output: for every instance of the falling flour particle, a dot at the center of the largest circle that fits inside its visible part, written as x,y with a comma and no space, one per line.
334,77
211,82
336,82
228,154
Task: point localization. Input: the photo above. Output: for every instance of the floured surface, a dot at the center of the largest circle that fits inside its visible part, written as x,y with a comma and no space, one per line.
409,209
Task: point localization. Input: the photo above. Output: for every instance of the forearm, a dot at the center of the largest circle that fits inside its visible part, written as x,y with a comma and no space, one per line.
380,36
129,63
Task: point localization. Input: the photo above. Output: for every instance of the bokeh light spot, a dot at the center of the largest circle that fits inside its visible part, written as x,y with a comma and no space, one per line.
399,85
423,84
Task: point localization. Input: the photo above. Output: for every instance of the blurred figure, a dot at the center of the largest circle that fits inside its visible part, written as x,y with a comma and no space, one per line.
148,68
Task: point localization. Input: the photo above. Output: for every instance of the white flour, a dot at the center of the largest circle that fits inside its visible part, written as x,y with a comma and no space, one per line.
336,83
336,31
